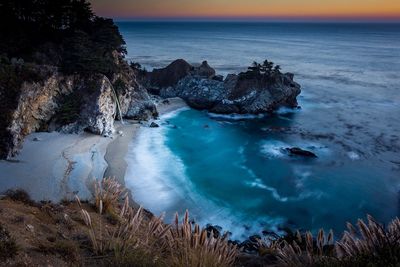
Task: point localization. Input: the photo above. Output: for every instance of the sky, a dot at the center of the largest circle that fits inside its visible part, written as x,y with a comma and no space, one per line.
249,9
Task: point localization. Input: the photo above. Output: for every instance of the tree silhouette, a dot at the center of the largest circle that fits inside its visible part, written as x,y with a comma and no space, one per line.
255,68
277,69
83,41
266,70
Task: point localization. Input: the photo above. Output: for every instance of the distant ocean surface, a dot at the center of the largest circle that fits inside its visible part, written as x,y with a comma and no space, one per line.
231,170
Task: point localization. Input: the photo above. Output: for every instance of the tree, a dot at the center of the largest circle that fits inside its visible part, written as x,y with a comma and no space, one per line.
255,67
88,42
277,69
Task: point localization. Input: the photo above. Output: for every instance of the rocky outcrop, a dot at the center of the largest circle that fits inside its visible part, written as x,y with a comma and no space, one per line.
38,103
247,92
296,151
174,72
134,99
69,103
170,75
141,106
98,108
35,104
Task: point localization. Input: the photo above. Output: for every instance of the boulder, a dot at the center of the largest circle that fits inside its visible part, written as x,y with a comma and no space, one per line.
135,102
215,230
296,151
218,78
141,107
204,71
154,125
170,75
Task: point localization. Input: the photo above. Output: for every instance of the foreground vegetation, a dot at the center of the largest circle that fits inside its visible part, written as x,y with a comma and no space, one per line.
109,232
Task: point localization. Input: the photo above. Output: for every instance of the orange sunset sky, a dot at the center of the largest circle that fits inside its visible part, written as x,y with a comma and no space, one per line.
329,9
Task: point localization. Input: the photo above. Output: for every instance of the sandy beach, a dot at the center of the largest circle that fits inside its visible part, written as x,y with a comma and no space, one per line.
55,166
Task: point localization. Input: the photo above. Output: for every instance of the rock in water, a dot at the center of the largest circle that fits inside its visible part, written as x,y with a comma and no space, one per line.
154,125
204,70
296,151
170,75
247,92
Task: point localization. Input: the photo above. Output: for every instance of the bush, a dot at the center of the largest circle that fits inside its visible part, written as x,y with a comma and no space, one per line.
8,246
120,86
371,244
67,249
19,195
69,110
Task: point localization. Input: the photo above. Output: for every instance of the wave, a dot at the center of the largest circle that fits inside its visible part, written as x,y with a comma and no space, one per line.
275,194
276,148
353,155
158,179
235,116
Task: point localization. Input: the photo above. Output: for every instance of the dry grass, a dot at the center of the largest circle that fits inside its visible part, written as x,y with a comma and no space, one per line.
371,244
190,246
108,193
305,250
140,242
82,234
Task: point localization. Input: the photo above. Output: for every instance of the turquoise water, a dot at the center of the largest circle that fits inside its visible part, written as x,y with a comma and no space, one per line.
232,171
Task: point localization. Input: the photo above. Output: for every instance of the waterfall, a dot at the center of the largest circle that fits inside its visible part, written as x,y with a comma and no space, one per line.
118,104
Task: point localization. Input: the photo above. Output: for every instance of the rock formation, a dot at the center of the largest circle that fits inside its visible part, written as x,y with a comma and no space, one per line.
89,102
247,92
69,103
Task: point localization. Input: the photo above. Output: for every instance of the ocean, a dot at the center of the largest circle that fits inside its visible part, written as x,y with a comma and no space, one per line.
232,171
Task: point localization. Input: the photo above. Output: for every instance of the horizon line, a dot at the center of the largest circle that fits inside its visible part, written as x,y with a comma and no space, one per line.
317,19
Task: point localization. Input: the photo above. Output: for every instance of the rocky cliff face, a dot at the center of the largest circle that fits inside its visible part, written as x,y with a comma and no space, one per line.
134,99
248,92
69,103
36,104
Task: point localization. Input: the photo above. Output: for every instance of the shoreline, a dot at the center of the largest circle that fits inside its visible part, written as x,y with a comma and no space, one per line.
55,166
118,148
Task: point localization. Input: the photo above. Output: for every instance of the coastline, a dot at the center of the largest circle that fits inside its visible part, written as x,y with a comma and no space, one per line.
55,166
118,148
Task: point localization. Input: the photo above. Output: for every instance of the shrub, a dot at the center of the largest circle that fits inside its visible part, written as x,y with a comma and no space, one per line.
19,195
8,246
108,193
65,248
119,86
371,244
190,246
305,250
69,110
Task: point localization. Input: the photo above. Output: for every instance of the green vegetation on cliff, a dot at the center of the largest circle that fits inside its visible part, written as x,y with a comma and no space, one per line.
43,38
62,33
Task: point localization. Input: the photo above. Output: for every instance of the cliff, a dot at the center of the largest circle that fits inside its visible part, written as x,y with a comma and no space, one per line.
74,103
63,68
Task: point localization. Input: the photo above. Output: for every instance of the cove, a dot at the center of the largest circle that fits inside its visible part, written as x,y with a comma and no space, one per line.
233,171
